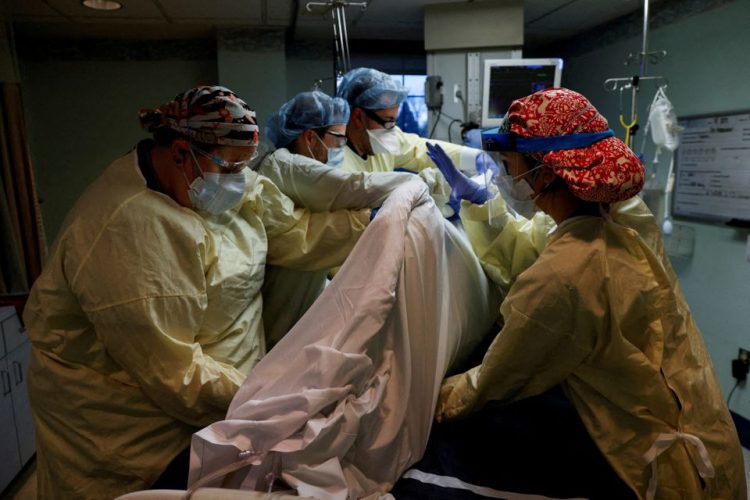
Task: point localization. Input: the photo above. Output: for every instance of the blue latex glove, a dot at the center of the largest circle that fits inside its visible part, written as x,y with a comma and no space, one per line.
463,187
373,213
455,204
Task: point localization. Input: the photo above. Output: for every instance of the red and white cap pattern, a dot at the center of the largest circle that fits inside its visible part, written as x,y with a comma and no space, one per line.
606,171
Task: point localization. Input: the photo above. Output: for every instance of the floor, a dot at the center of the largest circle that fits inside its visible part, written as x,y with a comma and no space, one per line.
24,488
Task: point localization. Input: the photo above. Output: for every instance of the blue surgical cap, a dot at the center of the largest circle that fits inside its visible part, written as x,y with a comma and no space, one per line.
371,89
306,110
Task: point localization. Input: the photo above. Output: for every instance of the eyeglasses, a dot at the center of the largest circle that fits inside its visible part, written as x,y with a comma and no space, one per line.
340,141
230,166
386,124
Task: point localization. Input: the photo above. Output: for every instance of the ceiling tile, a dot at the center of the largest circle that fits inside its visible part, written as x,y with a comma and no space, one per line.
213,10
35,8
279,10
546,21
133,9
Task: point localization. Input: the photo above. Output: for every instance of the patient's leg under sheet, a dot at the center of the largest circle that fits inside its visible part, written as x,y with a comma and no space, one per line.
536,446
344,403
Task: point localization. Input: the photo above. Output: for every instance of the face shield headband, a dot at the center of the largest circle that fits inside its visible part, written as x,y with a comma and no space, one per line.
494,140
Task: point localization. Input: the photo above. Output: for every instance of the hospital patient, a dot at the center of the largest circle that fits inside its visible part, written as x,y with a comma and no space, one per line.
309,134
599,314
147,317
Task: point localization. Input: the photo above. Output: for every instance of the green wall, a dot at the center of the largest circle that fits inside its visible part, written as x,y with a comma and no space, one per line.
707,65
82,101
81,115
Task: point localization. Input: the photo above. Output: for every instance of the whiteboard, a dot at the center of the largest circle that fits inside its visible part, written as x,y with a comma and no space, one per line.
712,168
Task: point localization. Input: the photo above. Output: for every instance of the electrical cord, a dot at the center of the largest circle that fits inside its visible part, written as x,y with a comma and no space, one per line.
449,128
732,392
434,125
437,120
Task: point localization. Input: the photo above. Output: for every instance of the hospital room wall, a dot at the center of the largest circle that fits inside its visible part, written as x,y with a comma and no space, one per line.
452,67
82,112
708,72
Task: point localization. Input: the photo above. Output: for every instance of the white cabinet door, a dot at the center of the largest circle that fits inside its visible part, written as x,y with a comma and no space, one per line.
14,333
11,462
18,366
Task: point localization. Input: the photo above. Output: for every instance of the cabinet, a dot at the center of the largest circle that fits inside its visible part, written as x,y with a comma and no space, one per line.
17,441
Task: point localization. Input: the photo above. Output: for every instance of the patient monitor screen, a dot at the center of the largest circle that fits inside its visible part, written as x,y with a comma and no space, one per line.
506,81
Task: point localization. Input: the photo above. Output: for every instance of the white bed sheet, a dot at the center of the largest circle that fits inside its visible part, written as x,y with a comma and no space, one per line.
343,405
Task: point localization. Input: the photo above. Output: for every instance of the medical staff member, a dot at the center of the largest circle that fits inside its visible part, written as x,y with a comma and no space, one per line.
600,312
309,134
376,144
147,317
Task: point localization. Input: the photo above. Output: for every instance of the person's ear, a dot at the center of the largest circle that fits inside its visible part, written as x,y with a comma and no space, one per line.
545,179
547,174
179,149
308,136
357,116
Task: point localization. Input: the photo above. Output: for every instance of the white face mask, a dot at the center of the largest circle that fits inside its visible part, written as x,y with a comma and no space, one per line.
216,193
518,194
384,141
335,157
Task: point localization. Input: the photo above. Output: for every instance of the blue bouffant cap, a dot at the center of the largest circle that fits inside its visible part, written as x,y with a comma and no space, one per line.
306,110
371,89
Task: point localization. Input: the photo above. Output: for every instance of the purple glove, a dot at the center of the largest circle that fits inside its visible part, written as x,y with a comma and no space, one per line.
463,187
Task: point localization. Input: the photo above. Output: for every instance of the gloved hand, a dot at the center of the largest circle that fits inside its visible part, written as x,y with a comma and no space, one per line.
457,399
463,187
455,204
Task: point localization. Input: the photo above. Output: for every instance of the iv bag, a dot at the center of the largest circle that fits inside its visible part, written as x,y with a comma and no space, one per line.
665,131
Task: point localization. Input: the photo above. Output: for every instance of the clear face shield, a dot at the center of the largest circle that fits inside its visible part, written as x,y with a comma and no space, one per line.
516,192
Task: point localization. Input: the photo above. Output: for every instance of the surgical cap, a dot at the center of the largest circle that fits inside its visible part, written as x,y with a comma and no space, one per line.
306,110
605,171
371,89
207,115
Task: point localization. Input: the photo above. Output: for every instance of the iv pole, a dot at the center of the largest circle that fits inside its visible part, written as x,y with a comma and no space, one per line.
633,83
342,62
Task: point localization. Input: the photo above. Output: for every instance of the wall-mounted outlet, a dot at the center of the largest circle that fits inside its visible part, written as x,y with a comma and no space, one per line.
457,95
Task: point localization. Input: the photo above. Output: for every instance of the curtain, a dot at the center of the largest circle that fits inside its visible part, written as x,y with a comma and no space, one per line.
22,242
